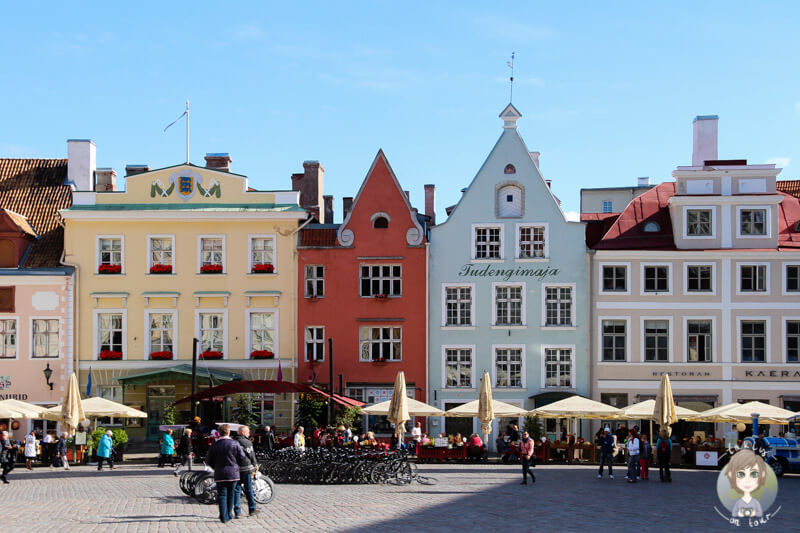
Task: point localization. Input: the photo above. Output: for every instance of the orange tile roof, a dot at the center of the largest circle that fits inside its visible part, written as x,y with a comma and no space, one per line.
37,189
318,237
20,221
789,187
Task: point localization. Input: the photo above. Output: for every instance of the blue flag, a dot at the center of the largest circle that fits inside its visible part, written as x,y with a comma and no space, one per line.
89,384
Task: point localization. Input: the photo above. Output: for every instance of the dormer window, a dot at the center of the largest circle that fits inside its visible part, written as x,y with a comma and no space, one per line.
509,201
652,227
509,169
380,223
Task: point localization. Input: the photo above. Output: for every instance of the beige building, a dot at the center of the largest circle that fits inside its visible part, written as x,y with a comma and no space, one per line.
700,278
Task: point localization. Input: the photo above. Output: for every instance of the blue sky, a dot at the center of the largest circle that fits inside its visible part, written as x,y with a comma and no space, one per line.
607,90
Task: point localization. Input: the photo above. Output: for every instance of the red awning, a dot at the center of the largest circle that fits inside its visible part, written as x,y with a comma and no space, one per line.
267,387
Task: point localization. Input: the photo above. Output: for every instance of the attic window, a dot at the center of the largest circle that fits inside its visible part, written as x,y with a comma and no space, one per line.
510,169
380,223
652,227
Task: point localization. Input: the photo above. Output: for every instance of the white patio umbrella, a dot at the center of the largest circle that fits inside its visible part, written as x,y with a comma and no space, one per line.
398,406
415,408
23,409
485,408
664,412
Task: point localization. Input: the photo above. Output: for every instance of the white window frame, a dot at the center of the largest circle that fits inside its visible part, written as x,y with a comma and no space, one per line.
573,312
175,328
150,251
685,229
523,305
15,318
610,206
600,320
225,328
248,332
518,245
714,339
670,279
523,371
113,421
306,278
305,344
379,326
713,265
200,252
543,358
600,268
471,287
391,278
446,347
670,335
785,278
30,330
738,273
250,238
96,330
767,221
767,330
785,339
97,260
473,243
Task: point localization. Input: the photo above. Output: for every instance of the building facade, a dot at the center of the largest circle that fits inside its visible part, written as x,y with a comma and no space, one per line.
36,290
700,279
508,290
182,253
362,285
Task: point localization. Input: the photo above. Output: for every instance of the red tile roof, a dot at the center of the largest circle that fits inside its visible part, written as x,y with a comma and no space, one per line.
789,187
37,189
594,217
318,237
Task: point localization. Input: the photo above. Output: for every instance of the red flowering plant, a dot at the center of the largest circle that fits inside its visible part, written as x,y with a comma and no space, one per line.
161,355
263,268
161,269
110,354
381,296
108,268
379,360
261,354
211,354
211,269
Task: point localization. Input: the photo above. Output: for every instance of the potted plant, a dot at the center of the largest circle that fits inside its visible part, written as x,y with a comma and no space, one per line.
263,268
120,440
107,355
161,269
211,269
381,296
261,354
108,268
211,354
379,360
161,356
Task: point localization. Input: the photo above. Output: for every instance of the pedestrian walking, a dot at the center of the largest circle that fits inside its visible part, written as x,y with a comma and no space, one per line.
247,470
633,455
47,449
300,439
60,459
645,456
8,453
30,449
526,456
606,453
105,451
268,438
185,451
167,449
664,456
225,456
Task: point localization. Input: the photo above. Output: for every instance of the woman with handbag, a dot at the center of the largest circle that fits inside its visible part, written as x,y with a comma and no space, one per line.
30,449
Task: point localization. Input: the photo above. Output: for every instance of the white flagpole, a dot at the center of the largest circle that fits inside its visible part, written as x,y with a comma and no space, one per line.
187,132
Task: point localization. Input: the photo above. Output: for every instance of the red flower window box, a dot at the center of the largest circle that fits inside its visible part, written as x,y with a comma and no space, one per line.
380,360
381,296
211,269
160,356
261,354
106,355
263,268
108,268
211,354
161,269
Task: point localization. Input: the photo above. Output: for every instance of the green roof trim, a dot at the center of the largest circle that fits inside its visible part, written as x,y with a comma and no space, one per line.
263,292
110,293
159,293
183,372
243,208
212,292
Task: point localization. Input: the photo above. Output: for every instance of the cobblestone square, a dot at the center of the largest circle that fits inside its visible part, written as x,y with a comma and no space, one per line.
138,498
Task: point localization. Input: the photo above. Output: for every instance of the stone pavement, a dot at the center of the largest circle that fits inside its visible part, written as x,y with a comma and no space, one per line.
142,498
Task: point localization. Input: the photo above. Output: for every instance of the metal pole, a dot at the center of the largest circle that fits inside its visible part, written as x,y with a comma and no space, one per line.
330,380
187,132
341,390
194,377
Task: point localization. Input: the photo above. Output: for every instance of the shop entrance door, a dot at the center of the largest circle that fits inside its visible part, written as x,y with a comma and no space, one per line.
158,398
457,424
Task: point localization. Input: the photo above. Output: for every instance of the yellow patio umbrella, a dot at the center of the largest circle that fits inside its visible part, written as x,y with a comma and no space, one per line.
398,406
664,412
485,407
23,409
415,408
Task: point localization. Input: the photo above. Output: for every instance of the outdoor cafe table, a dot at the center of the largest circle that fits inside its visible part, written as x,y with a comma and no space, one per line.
426,453
587,453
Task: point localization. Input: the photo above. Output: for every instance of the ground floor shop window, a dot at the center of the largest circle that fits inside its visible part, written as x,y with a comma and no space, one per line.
113,393
456,424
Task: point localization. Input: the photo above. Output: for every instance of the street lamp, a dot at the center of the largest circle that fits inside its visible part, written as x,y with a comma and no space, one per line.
48,372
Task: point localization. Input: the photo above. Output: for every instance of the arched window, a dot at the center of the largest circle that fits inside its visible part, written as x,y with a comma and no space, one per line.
509,201
652,227
380,223
8,254
510,169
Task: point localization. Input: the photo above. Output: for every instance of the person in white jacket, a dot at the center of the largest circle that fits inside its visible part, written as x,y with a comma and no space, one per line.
633,455
300,439
30,450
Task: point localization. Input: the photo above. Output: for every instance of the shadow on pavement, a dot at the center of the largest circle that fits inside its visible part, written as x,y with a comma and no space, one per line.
82,472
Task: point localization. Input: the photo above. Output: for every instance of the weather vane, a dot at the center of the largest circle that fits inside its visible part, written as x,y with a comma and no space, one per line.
511,79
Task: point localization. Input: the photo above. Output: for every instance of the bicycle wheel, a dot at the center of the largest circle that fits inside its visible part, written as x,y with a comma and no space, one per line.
263,489
205,490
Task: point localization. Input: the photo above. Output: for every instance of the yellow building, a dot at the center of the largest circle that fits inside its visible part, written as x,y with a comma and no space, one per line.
183,253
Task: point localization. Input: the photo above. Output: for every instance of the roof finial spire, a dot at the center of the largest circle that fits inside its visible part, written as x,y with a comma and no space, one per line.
511,79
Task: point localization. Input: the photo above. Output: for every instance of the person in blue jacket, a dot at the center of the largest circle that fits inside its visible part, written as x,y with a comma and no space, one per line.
606,443
105,450
664,454
167,449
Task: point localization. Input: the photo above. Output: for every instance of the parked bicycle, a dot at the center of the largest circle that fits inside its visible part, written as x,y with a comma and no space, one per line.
200,485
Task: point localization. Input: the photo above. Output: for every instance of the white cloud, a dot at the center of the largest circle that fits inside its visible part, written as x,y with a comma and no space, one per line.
573,216
780,162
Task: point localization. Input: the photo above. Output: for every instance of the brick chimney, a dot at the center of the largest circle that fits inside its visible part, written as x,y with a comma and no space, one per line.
311,186
328,201
219,161
430,202
106,179
81,163
132,170
704,141
347,205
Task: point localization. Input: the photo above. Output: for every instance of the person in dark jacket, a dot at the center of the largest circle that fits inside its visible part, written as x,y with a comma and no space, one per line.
664,456
184,450
606,443
225,456
61,452
247,470
8,453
